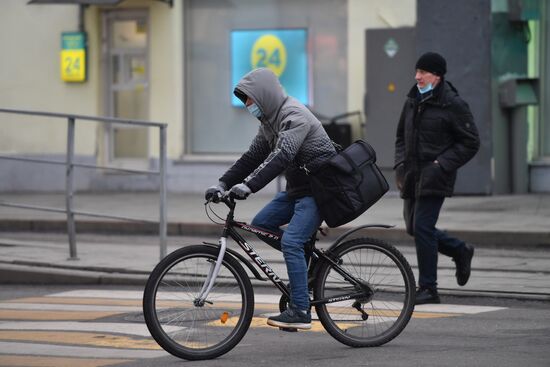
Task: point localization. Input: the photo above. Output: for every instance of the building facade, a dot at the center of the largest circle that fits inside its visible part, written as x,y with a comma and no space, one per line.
177,62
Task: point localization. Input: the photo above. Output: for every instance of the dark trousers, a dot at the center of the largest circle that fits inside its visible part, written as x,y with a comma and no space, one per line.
421,216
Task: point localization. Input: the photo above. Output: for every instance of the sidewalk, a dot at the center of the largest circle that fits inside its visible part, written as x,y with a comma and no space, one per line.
498,221
511,235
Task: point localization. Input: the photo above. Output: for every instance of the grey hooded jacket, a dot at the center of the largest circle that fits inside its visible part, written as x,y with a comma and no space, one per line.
289,137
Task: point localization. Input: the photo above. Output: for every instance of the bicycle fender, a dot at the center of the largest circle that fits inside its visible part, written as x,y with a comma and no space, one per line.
241,258
353,230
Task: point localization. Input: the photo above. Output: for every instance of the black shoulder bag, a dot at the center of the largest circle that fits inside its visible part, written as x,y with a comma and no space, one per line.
349,183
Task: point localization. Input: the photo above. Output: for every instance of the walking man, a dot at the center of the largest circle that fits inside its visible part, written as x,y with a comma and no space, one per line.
436,135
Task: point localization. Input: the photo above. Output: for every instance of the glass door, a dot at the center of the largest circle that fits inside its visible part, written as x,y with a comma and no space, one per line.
127,84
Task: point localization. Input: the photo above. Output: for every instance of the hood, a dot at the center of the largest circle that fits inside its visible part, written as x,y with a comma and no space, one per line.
264,88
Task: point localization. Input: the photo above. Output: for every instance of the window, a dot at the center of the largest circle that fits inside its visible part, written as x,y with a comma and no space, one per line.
221,34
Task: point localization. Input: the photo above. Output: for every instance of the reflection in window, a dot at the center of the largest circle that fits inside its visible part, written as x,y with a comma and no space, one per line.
128,34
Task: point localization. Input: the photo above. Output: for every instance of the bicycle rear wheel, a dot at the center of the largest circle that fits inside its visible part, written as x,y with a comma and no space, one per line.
185,327
380,314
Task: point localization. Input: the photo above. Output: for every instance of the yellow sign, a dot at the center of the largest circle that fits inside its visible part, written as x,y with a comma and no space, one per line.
73,57
269,52
73,65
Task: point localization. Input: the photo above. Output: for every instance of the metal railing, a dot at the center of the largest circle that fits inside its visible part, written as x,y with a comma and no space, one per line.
69,178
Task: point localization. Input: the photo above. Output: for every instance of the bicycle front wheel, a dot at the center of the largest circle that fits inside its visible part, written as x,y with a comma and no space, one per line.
379,314
179,322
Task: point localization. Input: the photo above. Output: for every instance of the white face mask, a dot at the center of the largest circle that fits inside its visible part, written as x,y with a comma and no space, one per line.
426,89
255,110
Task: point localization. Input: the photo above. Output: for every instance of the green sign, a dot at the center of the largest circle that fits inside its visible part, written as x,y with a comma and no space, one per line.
73,56
391,47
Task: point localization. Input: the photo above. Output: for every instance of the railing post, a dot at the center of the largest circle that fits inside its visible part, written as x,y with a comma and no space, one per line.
162,174
69,188
69,175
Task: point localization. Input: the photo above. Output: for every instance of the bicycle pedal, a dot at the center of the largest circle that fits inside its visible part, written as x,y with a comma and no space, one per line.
288,329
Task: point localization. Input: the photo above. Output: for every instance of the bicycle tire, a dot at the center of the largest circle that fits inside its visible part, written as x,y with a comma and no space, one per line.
185,329
388,309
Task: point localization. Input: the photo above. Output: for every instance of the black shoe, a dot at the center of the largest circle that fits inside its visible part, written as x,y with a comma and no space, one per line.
291,318
426,295
464,264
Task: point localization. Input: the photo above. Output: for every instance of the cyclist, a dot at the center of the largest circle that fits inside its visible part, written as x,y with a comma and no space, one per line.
289,137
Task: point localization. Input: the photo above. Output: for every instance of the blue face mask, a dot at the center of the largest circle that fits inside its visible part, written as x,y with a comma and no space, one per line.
426,89
255,110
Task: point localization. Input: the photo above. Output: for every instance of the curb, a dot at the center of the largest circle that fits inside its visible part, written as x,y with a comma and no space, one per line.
490,239
26,274
494,294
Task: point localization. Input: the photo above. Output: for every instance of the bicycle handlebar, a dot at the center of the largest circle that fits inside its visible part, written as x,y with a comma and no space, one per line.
227,198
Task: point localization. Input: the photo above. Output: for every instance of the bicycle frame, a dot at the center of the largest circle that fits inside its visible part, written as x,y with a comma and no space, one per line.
249,250
230,231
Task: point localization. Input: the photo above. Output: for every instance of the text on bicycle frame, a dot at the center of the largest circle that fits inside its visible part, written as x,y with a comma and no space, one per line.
259,232
266,268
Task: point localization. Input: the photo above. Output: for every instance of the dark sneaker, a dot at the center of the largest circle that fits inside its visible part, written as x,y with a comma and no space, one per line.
426,295
291,318
464,264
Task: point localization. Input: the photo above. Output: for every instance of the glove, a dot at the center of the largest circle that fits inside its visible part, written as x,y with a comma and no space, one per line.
215,192
240,191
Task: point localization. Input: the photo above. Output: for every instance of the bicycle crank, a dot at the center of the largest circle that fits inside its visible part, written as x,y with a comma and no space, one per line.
357,306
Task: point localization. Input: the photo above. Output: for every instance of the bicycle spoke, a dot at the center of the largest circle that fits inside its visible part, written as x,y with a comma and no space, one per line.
186,327
389,307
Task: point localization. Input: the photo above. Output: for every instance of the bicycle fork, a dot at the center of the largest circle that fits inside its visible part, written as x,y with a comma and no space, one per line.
212,275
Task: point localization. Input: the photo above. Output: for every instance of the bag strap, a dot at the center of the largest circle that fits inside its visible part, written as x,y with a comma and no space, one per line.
339,149
337,146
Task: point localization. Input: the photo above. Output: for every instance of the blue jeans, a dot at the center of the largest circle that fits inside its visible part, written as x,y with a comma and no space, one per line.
421,216
303,219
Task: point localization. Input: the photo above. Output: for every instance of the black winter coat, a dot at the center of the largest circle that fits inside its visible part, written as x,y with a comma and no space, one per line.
440,127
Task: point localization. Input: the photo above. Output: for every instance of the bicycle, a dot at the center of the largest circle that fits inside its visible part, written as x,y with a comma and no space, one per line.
198,302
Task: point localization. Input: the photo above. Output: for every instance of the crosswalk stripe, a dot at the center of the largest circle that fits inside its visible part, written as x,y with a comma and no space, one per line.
457,309
66,307
432,315
19,310
40,361
49,300
136,295
78,301
99,293
269,299
53,315
137,329
38,349
79,338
